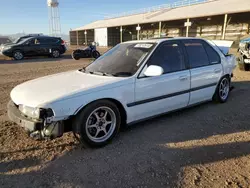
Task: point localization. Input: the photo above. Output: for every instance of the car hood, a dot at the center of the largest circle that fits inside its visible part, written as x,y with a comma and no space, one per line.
8,44
44,90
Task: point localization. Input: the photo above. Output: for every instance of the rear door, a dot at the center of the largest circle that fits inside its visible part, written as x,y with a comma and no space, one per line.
206,70
44,45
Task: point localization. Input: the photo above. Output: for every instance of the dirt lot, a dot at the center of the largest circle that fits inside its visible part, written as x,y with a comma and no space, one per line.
205,146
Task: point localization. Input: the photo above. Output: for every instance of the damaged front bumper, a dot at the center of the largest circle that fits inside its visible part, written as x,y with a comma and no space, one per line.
37,128
28,124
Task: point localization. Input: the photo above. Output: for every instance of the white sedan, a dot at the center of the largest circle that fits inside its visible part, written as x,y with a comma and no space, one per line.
131,82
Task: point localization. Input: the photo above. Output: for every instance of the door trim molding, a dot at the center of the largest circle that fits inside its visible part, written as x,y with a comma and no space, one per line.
170,95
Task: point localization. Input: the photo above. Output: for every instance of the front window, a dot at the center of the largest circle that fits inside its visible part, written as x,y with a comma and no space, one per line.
123,60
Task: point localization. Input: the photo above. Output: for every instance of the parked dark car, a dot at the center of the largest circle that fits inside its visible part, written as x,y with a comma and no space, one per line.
35,46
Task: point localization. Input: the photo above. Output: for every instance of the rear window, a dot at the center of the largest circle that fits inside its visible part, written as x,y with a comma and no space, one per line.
213,56
197,54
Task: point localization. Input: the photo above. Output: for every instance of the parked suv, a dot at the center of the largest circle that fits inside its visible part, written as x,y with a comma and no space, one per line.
35,46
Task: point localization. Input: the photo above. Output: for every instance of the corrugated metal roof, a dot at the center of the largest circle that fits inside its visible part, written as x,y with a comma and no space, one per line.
210,8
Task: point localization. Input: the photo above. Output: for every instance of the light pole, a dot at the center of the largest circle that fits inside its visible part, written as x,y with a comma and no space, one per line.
85,33
121,34
138,28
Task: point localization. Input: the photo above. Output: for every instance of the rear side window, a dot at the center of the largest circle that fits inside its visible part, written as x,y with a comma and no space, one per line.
54,40
197,54
213,56
42,41
49,40
169,56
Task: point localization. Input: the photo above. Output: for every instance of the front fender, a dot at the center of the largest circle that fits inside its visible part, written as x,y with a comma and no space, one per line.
70,107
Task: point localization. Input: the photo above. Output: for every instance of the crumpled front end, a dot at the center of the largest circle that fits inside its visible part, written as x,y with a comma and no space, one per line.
39,127
244,49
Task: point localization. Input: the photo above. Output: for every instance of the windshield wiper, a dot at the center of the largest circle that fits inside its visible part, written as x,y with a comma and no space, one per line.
100,73
83,70
123,74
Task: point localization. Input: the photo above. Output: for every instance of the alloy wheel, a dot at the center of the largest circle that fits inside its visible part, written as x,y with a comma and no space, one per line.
101,124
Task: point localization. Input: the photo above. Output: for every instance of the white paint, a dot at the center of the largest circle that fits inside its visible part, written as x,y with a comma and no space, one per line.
101,36
204,76
66,93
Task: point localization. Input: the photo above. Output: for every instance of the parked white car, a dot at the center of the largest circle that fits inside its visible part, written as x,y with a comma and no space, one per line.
131,82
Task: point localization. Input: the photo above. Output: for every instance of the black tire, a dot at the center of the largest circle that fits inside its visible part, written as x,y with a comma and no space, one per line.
55,53
96,54
219,97
18,55
86,133
246,67
75,55
242,65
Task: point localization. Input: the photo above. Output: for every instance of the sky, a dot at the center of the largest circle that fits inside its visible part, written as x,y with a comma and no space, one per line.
31,16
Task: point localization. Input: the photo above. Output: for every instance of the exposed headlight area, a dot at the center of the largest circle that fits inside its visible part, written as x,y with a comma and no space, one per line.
7,48
247,60
35,113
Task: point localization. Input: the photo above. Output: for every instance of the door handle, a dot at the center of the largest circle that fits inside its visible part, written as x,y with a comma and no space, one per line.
183,78
217,70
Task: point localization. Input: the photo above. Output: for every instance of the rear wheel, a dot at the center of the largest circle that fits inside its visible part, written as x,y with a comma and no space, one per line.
223,89
99,123
55,53
18,55
75,55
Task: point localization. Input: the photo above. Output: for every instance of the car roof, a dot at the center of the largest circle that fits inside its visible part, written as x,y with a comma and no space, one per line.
159,40
41,36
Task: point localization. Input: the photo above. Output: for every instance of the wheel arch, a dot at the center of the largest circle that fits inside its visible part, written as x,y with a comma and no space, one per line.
116,102
226,75
17,50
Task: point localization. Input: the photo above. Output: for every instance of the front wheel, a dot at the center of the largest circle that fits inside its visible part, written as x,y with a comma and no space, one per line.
96,54
18,55
223,89
98,123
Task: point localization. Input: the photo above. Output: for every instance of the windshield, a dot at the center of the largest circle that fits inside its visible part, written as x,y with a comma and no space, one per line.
24,40
18,40
122,60
15,41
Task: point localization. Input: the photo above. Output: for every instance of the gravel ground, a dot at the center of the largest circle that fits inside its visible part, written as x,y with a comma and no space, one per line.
204,146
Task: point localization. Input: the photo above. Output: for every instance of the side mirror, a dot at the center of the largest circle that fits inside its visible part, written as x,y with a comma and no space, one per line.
154,70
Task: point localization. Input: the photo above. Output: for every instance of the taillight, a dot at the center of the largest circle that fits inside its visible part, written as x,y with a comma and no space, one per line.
63,42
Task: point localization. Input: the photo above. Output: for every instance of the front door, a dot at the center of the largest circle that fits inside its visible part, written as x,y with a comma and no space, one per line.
206,70
32,47
170,91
